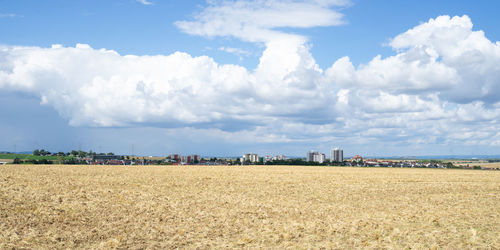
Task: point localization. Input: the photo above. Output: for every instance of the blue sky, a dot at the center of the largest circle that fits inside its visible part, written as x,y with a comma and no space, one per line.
278,77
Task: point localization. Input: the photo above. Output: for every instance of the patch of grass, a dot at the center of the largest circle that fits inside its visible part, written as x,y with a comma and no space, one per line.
247,207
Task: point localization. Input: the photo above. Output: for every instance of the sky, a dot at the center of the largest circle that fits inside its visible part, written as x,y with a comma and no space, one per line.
223,78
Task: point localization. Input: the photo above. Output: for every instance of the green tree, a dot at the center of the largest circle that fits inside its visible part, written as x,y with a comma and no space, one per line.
82,153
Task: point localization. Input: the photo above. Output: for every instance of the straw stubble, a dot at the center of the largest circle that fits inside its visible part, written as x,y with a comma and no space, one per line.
261,206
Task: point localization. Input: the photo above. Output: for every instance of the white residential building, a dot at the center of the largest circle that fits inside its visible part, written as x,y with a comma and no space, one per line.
310,155
319,157
313,156
250,158
337,155
279,157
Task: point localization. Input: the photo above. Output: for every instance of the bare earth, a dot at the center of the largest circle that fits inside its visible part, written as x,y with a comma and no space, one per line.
247,207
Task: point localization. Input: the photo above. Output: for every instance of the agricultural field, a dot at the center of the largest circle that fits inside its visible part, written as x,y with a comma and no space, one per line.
482,163
217,207
490,165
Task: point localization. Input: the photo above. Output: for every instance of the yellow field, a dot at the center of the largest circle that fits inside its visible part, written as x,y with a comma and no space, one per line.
485,164
470,163
247,207
490,164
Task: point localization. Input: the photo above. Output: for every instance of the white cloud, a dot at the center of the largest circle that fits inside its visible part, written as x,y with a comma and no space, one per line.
441,86
236,51
443,55
107,89
145,2
255,21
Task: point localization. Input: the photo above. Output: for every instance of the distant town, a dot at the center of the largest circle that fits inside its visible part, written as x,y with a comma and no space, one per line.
313,158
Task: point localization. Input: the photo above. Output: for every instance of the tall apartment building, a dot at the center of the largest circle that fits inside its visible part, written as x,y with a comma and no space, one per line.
279,157
185,159
319,157
337,155
310,155
175,157
313,156
250,158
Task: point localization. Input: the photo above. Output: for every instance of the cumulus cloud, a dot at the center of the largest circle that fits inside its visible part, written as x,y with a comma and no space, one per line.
443,55
102,88
440,86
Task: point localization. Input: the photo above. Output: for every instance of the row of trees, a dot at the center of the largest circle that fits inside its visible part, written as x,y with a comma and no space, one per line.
294,162
59,160
32,161
42,156
79,153
303,162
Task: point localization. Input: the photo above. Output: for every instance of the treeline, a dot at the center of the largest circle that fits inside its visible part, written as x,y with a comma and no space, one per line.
42,156
32,161
302,162
76,153
70,161
291,162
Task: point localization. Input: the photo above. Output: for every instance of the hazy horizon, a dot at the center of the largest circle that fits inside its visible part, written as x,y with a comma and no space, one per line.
376,78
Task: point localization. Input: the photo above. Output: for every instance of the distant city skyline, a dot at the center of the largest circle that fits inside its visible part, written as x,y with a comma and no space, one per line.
224,78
